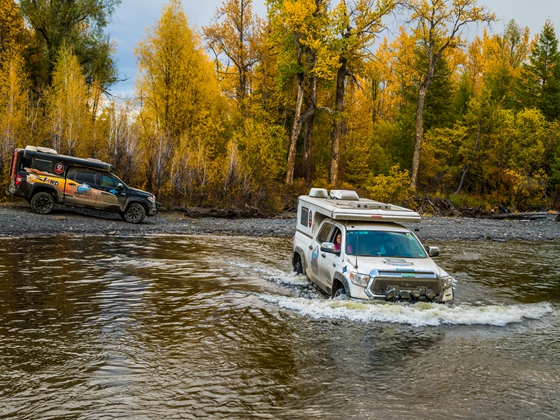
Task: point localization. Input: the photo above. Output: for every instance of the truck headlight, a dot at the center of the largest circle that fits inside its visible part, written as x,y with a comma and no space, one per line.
446,282
359,279
151,199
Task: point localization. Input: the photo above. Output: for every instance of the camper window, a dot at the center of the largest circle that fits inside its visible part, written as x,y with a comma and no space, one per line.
43,165
304,217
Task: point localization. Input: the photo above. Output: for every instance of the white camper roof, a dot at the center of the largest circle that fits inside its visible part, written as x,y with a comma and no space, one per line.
346,205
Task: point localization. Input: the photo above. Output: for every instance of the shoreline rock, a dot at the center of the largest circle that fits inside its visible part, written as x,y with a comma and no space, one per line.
20,220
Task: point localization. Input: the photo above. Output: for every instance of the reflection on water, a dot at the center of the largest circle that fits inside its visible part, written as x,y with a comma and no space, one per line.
218,327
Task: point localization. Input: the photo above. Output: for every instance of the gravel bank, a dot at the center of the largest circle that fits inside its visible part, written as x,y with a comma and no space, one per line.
20,220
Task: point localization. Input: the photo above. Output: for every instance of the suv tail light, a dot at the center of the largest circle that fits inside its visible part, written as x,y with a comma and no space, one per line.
19,178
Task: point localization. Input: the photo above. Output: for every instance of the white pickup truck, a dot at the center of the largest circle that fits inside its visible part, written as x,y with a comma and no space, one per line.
351,247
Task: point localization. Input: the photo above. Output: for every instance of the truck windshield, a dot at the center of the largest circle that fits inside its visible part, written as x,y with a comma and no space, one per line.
369,243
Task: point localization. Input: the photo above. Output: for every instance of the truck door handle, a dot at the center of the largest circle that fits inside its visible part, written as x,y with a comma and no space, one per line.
323,255
311,247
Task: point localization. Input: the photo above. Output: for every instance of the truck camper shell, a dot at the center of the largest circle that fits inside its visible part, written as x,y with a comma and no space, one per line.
33,156
346,205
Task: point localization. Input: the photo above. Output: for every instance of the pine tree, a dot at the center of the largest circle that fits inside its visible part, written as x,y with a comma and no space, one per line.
540,78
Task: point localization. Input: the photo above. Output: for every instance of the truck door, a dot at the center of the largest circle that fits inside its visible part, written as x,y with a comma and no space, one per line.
329,263
80,187
317,258
111,195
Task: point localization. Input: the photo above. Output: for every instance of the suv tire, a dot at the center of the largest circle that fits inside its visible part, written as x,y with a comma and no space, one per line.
134,213
42,203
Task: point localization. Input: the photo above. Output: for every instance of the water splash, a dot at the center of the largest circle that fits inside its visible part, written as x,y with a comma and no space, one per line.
418,315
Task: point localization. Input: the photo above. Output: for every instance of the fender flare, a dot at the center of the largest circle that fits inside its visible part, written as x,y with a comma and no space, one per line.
301,255
342,279
36,188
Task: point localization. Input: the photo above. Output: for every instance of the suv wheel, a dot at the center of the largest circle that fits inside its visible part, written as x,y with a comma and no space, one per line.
134,213
42,203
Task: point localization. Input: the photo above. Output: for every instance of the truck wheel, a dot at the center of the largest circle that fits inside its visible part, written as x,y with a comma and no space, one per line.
134,213
340,293
42,203
298,269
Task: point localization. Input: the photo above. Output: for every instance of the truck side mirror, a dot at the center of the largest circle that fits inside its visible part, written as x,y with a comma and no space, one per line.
329,247
433,251
120,186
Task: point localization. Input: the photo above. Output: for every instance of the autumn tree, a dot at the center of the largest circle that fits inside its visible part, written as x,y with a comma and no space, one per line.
13,80
67,106
301,28
437,26
504,55
356,25
120,141
179,99
235,37
77,23
12,30
13,102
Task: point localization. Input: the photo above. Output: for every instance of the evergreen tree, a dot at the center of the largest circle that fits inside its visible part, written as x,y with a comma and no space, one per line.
540,78
78,24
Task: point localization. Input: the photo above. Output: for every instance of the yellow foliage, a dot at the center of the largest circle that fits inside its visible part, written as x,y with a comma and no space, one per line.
68,114
180,102
389,189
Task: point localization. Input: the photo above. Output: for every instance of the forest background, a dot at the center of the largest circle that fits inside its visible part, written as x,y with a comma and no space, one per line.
248,113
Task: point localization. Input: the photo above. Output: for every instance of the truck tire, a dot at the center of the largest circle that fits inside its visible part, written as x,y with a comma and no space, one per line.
134,213
298,268
42,203
340,292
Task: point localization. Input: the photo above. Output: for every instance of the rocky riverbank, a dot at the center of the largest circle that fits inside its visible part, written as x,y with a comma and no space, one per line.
19,220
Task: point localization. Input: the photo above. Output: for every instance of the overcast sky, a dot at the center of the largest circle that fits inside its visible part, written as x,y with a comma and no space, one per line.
132,18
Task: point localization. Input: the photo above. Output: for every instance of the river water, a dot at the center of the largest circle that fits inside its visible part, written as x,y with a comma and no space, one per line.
188,327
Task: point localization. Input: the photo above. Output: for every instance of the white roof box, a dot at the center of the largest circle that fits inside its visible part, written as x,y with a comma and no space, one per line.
347,205
318,192
344,195
41,149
